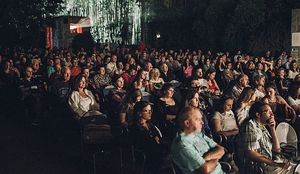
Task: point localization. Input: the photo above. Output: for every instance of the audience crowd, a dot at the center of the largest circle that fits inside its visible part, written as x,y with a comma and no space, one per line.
141,93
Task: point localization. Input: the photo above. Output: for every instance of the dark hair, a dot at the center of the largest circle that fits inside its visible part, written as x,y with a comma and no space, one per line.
166,86
222,102
293,89
138,108
246,95
209,71
132,95
77,81
256,108
115,78
271,85
191,94
195,69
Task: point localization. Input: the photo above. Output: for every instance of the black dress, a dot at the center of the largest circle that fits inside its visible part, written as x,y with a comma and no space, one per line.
144,140
168,127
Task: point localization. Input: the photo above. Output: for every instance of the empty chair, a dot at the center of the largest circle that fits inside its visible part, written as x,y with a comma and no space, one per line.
288,140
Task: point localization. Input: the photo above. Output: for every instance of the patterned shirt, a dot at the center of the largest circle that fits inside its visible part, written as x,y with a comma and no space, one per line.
101,80
253,136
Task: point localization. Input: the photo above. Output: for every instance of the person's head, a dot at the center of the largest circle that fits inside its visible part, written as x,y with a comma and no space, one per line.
260,80
259,66
164,68
50,62
243,80
114,58
118,81
192,98
57,61
135,96
66,73
35,64
250,65
197,72
167,90
247,96
141,74
57,68
86,72
190,120
148,66
293,65
225,104
132,70
229,65
74,62
142,111
28,72
80,82
294,90
120,66
271,89
154,74
281,72
261,112
195,83
101,70
7,65
211,74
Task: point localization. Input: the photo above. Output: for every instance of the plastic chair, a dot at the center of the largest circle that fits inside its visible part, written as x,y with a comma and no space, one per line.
288,140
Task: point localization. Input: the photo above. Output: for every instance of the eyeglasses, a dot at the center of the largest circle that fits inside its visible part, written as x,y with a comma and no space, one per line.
148,110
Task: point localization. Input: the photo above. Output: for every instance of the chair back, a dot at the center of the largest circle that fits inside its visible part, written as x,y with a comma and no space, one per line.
96,134
287,138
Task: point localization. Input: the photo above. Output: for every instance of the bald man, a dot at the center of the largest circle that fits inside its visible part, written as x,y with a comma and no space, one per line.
192,151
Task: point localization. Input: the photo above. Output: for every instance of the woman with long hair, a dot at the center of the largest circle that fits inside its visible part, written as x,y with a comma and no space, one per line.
212,83
244,103
155,81
146,136
83,103
281,109
126,113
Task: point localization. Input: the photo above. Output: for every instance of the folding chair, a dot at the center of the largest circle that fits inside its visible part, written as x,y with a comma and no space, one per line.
288,140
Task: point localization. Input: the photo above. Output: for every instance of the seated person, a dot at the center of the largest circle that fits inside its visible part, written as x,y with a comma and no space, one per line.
224,122
193,99
256,144
192,151
146,135
83,103
31,90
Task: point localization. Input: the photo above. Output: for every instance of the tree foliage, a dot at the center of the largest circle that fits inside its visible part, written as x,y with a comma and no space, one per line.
21,19
248,25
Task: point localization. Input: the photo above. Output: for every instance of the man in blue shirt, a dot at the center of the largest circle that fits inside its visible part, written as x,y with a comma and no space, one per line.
192,151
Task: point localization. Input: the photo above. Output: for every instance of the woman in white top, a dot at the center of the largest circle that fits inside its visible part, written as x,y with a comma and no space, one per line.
223,120
259,83
294,70
245,101
224,123
83,103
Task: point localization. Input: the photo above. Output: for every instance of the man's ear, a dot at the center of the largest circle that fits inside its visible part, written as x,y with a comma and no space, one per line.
257,115
186,123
